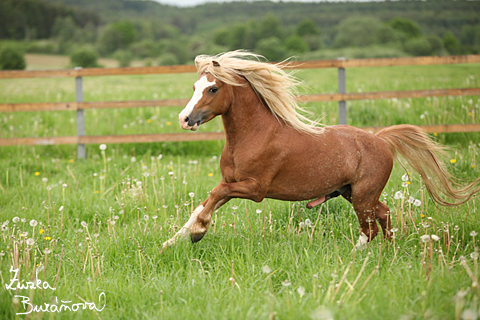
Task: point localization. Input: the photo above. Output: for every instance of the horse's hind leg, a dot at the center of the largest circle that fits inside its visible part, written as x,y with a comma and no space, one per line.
382,212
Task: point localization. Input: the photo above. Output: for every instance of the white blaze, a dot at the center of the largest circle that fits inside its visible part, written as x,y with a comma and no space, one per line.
200,87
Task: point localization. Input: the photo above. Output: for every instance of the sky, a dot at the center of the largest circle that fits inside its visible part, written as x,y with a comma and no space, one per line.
191,3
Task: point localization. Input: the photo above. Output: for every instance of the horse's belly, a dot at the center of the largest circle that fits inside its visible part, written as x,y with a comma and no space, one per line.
299,184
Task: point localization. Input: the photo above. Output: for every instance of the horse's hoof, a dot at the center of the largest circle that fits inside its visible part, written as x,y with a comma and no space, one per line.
309,206
196,237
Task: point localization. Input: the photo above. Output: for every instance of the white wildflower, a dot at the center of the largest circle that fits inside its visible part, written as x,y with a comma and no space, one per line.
286,283
301,291
103,147
435,237
417,203
398,195
425,238
33,223
266,269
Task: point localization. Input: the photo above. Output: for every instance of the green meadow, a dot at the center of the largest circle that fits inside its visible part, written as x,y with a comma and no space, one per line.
81,239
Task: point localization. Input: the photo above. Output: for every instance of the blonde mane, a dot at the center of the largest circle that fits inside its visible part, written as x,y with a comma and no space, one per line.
271,83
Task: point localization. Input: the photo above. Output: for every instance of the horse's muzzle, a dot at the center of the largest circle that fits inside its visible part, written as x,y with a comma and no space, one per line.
193,121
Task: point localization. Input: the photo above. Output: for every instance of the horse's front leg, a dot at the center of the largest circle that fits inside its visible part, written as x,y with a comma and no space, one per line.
247,189
183,232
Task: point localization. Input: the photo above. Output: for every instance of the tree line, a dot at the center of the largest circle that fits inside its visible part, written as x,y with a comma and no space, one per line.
275,30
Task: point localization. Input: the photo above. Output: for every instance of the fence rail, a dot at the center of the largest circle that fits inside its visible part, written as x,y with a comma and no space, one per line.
79,105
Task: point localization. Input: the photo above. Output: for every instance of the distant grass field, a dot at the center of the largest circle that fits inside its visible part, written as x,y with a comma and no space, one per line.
100,222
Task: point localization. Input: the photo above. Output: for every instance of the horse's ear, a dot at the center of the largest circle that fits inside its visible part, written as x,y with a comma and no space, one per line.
215,63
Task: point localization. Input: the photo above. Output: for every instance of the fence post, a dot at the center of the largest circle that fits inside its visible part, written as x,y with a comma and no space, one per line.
80,115
342,105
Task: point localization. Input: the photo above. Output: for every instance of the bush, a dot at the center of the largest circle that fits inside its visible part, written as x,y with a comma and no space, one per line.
124,57
84,57
451,43
271,48
11,59
358,32
418,47
436,44
296,45
168,59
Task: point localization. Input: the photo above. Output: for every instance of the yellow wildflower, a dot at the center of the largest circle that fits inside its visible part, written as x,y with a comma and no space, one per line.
422,215
149,120
473,166
96,191
435,134
453,160
210,174
41,231
70,161
169,123
47,238
37,173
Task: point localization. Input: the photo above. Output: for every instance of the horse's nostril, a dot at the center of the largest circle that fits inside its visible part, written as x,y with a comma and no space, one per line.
186,119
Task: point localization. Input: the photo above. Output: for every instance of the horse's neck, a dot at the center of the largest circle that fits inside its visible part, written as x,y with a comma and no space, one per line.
247,117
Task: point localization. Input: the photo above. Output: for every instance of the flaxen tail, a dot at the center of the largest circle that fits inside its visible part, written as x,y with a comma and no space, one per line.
424,156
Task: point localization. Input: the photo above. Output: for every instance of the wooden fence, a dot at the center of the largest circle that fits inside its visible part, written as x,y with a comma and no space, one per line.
341,64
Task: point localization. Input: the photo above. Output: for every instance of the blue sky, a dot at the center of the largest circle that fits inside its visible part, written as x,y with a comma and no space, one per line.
190,3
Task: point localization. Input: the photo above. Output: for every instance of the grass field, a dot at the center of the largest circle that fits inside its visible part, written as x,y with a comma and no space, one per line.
93,229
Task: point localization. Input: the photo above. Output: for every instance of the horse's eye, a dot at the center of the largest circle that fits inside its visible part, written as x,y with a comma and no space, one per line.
213,90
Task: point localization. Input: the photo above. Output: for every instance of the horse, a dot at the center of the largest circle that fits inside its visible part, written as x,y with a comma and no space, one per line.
273,151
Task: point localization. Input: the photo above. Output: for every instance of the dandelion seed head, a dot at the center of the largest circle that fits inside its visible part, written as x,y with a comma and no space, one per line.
301,291
473,234
308,223
435,237
33,223
425,238
83,224
103,147
266,269
286,283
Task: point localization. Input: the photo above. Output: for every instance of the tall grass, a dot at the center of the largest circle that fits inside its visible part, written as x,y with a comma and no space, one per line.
100,222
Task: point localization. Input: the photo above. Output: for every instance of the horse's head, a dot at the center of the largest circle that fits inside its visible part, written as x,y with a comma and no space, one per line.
210,99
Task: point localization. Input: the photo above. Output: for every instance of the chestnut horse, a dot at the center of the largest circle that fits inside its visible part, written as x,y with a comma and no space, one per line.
272,151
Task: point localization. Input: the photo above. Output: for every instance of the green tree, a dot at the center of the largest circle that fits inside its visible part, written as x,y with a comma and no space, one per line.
271,48
436,44
306,28
451,44
270,26
467,36
409,28
357,32
127,29
11,59
296,45
221,37
64,29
